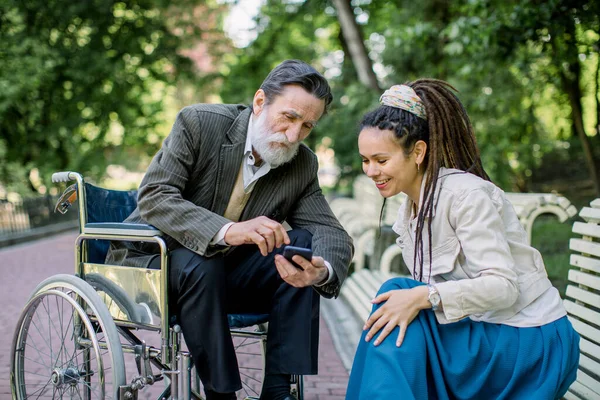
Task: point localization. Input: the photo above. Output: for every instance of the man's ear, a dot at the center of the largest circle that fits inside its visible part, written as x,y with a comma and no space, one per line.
259,102
420,150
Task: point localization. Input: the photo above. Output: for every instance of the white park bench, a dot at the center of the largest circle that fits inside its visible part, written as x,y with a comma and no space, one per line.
529,206
583,301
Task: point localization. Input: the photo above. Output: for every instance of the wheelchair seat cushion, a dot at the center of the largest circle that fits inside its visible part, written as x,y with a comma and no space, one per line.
244,320
236,321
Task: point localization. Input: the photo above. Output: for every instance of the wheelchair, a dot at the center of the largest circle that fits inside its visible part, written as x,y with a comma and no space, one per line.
107,332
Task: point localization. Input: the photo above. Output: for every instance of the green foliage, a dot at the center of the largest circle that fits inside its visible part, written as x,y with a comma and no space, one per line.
79,79
507,59
84,84
299,30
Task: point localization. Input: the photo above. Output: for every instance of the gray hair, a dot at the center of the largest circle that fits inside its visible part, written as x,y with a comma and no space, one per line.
296,72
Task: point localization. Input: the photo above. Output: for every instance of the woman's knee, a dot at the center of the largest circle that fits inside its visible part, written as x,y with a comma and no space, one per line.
398,283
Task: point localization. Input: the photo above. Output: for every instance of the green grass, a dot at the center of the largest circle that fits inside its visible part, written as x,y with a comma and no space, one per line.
551,238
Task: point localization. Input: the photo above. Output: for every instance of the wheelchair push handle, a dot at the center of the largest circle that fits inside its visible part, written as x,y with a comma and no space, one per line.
65,176
70,194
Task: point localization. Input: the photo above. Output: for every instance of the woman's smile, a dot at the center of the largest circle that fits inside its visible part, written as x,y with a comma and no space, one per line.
381,183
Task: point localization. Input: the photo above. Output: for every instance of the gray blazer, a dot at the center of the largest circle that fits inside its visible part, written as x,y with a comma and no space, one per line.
187,186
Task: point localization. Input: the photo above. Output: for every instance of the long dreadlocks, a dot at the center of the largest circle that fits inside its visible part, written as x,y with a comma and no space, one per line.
450,140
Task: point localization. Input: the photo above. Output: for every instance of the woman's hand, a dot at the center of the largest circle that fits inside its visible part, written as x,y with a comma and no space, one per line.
400,308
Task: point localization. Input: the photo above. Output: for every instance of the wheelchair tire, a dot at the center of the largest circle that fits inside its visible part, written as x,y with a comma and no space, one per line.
66,344
250,349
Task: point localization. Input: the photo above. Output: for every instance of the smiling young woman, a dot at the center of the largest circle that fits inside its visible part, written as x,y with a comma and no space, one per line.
479,319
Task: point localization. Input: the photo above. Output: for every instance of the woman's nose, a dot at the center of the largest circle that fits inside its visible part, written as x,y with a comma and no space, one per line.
372,170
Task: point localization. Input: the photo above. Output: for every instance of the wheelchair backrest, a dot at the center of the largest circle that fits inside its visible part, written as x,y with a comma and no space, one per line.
105,205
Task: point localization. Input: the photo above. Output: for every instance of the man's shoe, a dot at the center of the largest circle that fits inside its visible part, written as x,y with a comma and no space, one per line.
210,395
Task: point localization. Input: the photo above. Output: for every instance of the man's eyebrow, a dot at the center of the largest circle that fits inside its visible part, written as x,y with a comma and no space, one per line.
295,114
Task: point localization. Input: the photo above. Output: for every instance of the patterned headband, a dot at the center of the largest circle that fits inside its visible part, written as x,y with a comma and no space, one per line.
404,97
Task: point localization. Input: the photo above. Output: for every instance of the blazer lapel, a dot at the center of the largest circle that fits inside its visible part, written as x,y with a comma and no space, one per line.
268,189
230,161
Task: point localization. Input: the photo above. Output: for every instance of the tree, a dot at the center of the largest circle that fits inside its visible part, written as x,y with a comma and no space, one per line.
565,33
504,77
83,83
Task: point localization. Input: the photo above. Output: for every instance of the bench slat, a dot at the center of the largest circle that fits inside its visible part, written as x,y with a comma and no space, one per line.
590,383
590,214
584,329
357,299
585,279
572,210
583,295
381,276
585,246
586,229
591,264
588,348
582,391
371,285
572,396
584,313
590,365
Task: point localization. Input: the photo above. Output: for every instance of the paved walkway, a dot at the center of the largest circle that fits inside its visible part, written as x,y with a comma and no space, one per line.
23,266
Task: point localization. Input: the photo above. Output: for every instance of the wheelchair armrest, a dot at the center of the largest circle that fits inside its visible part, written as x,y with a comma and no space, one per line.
119,228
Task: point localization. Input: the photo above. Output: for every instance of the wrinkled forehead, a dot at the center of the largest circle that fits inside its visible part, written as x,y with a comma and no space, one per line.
303,104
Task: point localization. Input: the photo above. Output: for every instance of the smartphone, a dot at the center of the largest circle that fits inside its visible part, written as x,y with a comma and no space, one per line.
291,251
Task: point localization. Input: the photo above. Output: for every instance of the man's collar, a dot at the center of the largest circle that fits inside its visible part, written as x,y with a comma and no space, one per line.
248,153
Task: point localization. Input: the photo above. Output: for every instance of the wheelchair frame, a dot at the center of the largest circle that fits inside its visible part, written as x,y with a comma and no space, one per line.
174,363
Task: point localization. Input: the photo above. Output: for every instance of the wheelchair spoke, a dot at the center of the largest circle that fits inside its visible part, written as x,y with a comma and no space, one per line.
248,353
247,387
42,388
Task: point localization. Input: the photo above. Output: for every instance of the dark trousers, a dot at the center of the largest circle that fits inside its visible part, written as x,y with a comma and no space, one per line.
204,290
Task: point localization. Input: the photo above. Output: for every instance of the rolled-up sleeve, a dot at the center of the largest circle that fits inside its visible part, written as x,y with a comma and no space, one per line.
492,282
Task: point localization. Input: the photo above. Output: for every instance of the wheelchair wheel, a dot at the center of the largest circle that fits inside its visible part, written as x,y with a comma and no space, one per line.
250,352
66,344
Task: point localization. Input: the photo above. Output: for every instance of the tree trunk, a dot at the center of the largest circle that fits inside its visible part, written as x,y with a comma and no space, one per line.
597,91
356,45
571,86
566,55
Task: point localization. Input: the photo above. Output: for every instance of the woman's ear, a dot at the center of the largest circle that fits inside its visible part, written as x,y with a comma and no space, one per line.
259,102
420,150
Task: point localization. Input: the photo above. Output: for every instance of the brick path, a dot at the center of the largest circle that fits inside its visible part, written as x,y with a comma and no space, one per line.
23,266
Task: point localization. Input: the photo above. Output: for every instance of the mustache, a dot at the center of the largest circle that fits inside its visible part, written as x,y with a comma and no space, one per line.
279,138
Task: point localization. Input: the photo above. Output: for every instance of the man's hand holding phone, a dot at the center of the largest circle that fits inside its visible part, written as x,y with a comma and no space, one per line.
299,268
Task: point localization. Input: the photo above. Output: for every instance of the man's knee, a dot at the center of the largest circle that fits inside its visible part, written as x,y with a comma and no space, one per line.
188,268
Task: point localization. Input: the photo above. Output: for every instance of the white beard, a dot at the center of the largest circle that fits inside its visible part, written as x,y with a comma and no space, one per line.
272,147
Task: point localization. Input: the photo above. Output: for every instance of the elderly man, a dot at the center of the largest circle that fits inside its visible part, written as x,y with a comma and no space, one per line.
221,186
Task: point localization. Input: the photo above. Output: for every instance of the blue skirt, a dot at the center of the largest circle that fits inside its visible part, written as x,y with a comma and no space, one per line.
465,360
